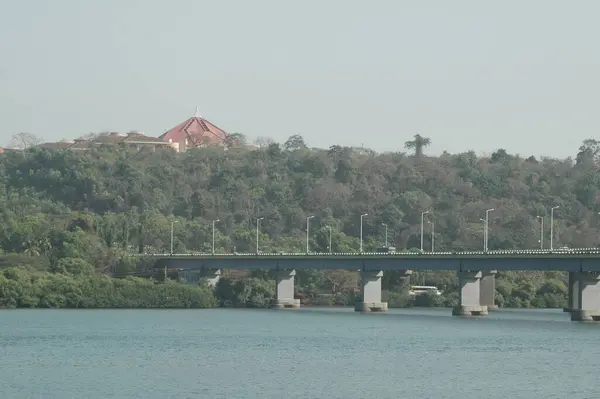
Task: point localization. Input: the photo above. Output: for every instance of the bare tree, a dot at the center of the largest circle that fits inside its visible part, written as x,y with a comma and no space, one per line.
338,279
263,141
23,141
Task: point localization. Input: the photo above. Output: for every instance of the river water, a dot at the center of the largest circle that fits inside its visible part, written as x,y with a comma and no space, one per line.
308,353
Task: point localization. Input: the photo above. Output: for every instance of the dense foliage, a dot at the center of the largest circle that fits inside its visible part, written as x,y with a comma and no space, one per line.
71,214
27,289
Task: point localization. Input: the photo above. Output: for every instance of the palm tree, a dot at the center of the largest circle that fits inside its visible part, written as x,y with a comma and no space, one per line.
418,144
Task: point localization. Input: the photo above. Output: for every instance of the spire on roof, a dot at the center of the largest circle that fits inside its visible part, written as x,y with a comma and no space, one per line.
197,115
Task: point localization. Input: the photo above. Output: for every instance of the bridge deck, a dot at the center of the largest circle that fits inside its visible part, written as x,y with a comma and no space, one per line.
560,260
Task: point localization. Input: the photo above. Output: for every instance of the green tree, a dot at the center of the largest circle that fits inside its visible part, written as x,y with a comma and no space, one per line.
418,144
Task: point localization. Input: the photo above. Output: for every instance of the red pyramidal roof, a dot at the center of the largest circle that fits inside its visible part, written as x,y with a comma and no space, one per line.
198,132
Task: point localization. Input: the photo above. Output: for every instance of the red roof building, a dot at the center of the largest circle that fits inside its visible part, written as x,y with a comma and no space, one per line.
195,132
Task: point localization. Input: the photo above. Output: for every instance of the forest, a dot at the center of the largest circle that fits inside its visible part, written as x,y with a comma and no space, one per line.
72,219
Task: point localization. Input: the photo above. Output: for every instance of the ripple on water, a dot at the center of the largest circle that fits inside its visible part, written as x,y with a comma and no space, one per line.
312,353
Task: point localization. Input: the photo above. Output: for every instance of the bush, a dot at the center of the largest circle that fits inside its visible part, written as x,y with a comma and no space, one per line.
20,288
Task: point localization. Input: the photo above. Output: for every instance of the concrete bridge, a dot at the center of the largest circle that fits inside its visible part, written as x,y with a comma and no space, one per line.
476,273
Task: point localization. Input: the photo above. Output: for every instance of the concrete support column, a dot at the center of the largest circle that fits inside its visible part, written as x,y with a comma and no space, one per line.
285,290
586,296
572,295
469,285
487,289
371,293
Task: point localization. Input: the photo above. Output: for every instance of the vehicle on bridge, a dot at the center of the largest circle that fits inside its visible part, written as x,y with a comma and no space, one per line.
424,289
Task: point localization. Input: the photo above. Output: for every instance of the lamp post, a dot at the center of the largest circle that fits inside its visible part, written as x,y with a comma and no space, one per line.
172,235
541,231
487,227
386,236
484,233
432,236
213,235
257,227
307,230
330,249
361,231
552,225
422,218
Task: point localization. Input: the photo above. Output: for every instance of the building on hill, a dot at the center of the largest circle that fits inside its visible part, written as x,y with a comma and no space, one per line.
133,139
195,132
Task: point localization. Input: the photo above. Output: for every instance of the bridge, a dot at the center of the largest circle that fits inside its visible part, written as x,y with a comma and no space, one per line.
476,273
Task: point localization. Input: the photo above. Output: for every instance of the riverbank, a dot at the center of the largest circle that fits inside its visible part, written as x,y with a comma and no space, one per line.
26,288
21,288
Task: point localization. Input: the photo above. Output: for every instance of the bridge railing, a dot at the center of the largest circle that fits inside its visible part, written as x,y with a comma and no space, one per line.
556,252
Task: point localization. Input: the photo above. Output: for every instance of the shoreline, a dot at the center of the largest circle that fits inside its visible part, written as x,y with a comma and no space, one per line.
255,308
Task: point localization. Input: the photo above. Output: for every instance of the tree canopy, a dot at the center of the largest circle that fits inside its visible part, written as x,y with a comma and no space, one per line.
71,212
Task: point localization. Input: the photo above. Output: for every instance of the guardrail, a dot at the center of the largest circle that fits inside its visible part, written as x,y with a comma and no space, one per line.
532,252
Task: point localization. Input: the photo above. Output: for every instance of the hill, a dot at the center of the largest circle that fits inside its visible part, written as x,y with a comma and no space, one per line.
95,206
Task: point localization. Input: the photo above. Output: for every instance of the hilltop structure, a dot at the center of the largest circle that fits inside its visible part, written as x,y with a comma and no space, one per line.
195,132
132,139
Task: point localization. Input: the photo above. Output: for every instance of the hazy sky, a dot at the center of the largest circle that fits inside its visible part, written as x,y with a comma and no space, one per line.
471,74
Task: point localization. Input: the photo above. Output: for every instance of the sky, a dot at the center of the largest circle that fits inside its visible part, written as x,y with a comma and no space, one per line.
468,74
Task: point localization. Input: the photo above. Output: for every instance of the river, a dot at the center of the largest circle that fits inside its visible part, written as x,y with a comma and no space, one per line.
307,353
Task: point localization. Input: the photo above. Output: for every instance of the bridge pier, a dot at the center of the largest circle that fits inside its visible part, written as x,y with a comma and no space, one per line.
487,289
370,288
572,295
469,297
285,290
584,296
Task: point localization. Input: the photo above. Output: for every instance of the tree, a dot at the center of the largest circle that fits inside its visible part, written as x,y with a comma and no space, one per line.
236,140
418,144
295,142
23,141
63,210
338,279
589,151
500,156
263,142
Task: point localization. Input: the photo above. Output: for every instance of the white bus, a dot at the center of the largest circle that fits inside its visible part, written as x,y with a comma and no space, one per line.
424,289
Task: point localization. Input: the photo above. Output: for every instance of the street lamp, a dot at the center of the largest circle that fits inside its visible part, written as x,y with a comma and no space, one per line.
432,236
213,238
484,233
172,236
257,224
552,225
541,231
307,229
386,236
422,218
598,213
487,227
329,227
361,231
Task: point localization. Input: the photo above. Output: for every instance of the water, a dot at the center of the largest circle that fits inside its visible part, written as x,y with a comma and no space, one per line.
310,353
